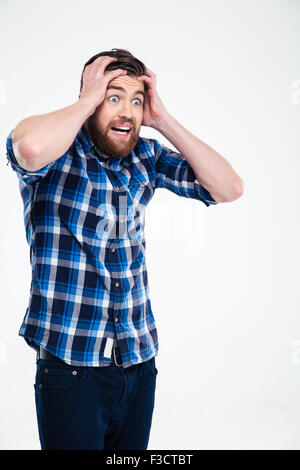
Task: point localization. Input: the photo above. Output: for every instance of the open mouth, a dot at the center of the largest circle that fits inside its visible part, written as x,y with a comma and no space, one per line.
121,131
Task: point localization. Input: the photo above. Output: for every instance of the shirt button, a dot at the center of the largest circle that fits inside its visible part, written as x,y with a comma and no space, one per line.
117,284
74,372
116,320
113,250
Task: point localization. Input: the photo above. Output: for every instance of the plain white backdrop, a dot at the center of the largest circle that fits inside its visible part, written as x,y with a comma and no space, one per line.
223,279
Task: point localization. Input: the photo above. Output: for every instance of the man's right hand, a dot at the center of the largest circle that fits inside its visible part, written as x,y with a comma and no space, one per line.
41,139
94,81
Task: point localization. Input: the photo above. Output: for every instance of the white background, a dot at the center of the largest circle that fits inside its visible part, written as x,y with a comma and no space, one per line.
224,291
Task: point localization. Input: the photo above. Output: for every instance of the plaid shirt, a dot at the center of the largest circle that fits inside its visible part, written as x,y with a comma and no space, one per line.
84,221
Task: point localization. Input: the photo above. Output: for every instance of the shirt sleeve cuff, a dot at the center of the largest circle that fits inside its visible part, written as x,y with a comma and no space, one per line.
27,176
203,194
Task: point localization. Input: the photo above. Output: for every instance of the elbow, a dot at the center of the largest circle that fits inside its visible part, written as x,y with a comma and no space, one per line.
237,190
26,154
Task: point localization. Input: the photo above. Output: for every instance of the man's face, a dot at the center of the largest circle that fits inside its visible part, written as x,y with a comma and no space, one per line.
119,108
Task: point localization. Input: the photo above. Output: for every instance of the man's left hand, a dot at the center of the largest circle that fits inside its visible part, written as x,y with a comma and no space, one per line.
154,109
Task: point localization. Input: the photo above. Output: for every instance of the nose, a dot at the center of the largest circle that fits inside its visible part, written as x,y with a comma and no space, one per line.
126,109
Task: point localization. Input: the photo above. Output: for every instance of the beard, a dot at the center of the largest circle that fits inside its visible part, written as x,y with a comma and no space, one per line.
108,145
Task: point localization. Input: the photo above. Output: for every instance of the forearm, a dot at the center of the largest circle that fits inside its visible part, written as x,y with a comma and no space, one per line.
39,140
212,170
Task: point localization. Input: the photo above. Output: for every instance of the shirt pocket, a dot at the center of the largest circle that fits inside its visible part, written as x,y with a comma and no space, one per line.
141,190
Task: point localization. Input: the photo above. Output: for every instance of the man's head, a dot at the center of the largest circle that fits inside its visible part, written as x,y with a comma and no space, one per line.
121,107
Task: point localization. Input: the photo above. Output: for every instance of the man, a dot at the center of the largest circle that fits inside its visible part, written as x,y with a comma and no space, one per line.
86,177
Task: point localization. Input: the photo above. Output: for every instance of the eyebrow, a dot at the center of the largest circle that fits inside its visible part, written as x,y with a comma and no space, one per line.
119,88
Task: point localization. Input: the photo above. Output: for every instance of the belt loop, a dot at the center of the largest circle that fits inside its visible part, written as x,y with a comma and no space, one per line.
114,357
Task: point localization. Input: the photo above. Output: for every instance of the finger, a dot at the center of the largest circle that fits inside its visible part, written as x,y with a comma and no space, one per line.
144,78
102,58
114,73
104,63
96,68
100,64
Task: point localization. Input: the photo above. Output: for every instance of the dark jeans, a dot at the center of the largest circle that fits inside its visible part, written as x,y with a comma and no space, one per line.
94,408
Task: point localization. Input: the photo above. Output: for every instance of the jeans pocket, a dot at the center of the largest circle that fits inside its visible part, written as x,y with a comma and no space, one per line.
152,365
52,374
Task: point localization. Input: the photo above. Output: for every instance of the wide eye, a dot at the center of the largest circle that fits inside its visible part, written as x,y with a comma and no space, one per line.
115,96
112,97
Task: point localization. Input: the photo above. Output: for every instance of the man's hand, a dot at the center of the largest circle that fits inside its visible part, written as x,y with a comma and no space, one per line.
95,80
154,109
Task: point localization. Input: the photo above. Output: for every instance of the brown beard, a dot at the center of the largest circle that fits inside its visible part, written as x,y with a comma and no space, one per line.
107,146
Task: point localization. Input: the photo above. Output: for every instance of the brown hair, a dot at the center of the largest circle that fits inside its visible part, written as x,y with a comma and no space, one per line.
125,61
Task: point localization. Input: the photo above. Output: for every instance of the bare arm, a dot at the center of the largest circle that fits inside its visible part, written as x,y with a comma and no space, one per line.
212,170
39,140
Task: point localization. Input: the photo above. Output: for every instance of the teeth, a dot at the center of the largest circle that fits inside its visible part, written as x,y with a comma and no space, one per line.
120,132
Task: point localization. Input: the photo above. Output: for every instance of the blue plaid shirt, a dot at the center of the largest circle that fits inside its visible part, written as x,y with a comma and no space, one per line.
84,221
